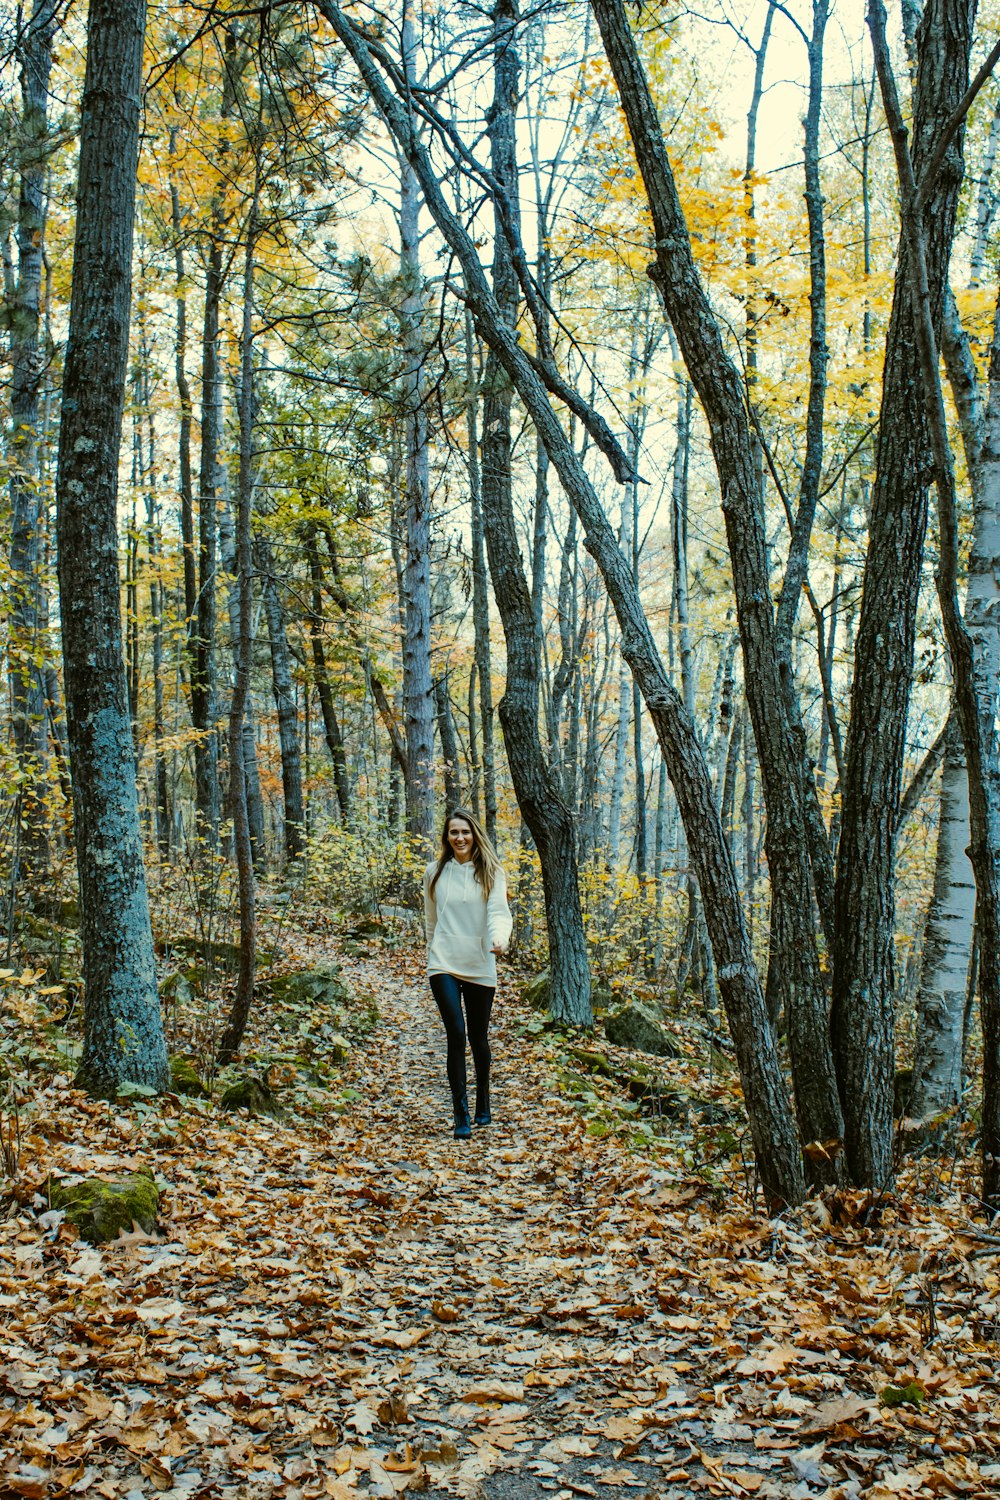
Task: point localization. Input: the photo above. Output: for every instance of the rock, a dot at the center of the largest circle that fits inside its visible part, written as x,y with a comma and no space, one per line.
366,927
635,1026
185,1080
536,991
254,1095
102,1210
322,986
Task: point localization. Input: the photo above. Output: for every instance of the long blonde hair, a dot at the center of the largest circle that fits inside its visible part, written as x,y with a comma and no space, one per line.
484,857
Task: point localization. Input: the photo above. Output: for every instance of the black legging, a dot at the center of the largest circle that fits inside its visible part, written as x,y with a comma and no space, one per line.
449,993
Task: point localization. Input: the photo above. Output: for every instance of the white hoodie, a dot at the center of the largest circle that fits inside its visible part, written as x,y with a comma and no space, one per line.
461,926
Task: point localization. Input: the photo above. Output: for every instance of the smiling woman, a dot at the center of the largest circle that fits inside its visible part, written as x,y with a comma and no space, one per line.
468,925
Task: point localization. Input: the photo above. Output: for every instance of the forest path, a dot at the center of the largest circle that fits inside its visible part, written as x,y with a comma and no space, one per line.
357,1304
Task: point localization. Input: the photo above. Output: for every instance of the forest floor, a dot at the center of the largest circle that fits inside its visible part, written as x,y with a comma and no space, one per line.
351,1302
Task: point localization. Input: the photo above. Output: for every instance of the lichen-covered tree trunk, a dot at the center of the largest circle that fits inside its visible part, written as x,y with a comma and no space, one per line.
864,998
123,1033
28,604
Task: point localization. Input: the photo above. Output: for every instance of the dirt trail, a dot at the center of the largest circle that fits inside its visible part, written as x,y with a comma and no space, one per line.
364,1305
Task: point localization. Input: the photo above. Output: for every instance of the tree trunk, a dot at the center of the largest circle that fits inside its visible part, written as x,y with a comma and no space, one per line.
284,701
863,1010
947,945
236,1023
161,796
204,686
950,927
418,693
449,744
795,968
772,1129
986,201
185,415
480,594
331,725
229,557
29,606
972,642
123,1032
538,796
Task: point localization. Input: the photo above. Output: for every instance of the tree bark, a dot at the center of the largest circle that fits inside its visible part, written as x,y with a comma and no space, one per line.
947,946
480,593
795,969
863,1008
418,692
239,1015
772,1128
538,795
972,642
283,688
449,744
29,606
123,1032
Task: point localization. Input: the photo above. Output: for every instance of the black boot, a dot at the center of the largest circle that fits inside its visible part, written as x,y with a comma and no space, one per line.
482,1115
460,1104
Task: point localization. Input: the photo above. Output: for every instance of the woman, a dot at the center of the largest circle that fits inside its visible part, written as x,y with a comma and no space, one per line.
468,924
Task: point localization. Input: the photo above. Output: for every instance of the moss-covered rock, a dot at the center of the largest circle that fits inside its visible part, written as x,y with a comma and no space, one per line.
635,1026
254,1095
536,992
102,1210
185,1080
321,986
366,928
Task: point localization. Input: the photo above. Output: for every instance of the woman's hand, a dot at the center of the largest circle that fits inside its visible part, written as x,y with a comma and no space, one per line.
498,951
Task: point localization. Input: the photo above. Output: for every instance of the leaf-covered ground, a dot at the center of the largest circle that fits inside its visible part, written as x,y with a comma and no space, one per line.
354,1303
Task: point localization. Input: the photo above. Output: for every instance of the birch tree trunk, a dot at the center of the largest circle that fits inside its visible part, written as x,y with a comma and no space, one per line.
947,947
123,1032
948,934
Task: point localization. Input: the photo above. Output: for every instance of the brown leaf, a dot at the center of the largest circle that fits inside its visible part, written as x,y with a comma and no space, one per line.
837,1412
494,1390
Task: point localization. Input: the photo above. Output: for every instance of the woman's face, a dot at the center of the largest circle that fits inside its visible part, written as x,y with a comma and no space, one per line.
461,838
